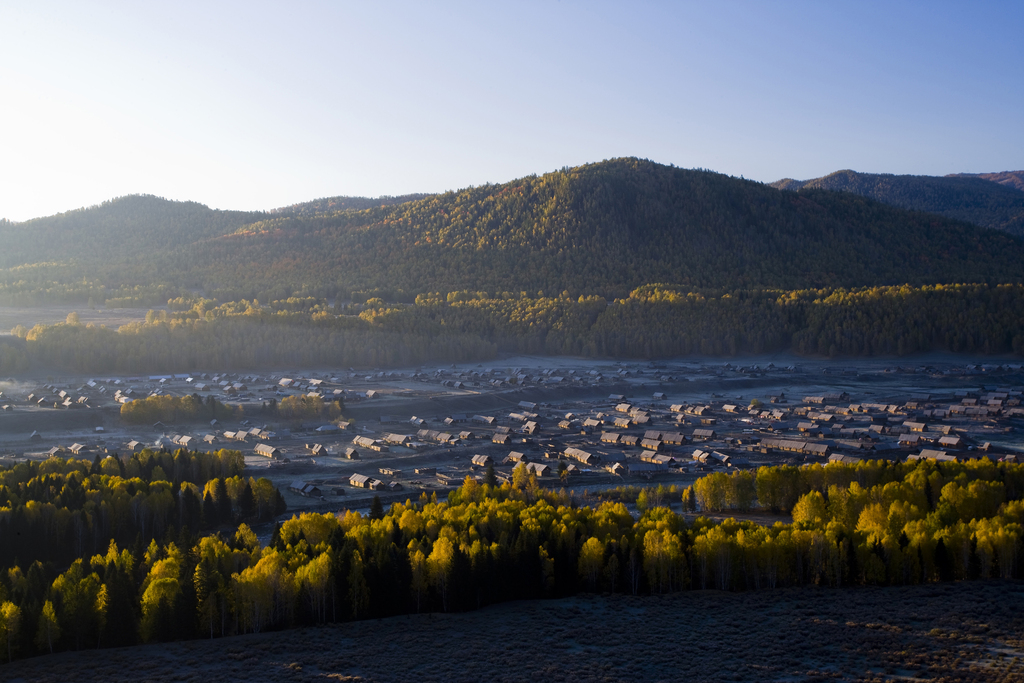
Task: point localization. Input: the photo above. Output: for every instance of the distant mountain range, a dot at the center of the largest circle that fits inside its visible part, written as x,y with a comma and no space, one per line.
602,228
991,200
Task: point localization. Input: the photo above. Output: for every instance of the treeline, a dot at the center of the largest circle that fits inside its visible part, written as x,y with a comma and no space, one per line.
240,343
653,321
14,355
194,408
306,408
878,523
171,409
869,524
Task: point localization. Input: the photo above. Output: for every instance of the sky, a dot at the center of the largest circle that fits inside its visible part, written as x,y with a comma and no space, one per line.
258,105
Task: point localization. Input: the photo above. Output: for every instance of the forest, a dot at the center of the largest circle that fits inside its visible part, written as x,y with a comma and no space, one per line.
651,322
874,523
65,583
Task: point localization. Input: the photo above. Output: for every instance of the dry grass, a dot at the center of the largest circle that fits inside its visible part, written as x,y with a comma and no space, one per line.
48,315
952,632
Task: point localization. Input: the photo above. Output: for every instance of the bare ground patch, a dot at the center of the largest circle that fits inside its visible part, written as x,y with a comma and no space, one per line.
950,632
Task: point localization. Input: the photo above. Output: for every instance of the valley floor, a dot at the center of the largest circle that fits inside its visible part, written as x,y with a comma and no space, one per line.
952,632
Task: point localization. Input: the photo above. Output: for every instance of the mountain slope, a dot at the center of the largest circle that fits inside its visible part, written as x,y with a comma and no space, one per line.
974,199
342,203
1014,179
607,228
603,228
120,229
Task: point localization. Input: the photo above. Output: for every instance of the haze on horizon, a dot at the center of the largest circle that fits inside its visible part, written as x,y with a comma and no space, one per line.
255,106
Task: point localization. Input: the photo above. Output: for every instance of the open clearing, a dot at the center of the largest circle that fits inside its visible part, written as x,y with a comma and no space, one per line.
951,632
48,315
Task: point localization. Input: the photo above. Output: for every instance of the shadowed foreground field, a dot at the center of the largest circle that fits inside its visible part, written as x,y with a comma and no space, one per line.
952,632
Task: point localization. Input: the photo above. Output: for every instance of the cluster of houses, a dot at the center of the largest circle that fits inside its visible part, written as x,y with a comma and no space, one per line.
50,396
619,435
819,428
224,386
647,437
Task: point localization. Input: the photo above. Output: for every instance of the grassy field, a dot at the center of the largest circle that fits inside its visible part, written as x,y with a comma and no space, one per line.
949,632
48,315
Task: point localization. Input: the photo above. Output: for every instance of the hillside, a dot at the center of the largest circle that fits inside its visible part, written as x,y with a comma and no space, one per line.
608,228
1014,179
341,203
116,230
603,228
949,632
991,200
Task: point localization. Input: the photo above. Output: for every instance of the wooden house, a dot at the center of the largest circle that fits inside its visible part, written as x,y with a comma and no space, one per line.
537,468
266,450
582,456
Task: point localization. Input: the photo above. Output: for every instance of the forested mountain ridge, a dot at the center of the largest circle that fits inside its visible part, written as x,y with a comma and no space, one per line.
603,228
607,228
991,200
124,228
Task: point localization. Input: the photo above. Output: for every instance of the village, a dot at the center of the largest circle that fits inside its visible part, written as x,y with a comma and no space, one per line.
577,424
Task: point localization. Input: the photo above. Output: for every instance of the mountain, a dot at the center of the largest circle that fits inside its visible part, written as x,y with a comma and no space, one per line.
607,228
328,204
127,228
990,200
1014,179
603,228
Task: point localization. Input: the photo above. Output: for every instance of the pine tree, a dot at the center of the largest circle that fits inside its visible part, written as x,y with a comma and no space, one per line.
220,494
211,515
121,625
247,502
943,561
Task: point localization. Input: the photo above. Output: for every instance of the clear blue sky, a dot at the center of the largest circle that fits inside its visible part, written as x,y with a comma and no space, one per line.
257,105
